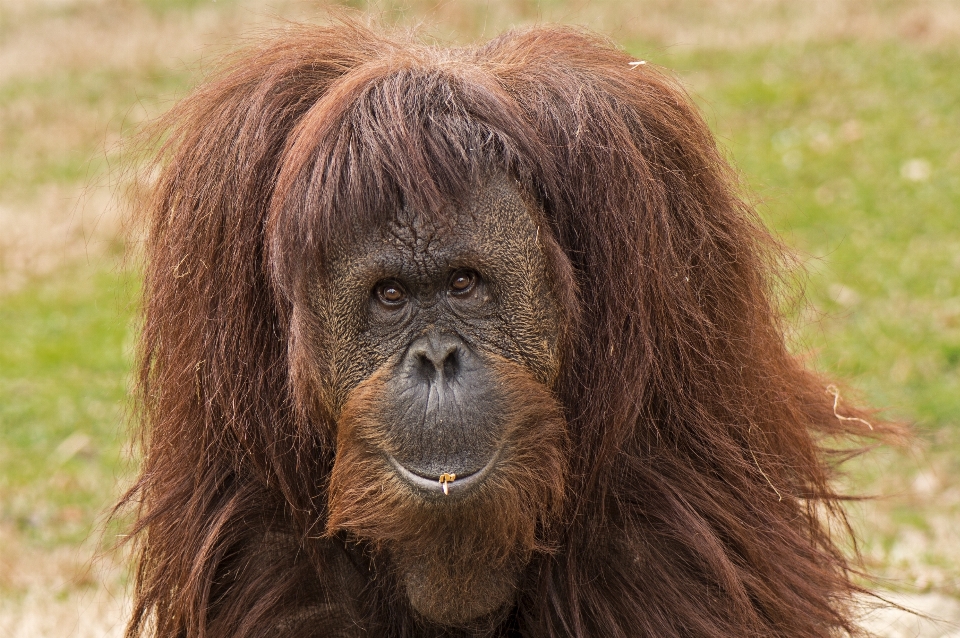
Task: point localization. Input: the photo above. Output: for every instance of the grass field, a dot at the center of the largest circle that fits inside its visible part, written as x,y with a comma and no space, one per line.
842,117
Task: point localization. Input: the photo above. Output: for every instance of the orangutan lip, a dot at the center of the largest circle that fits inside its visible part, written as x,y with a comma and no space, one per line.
433,486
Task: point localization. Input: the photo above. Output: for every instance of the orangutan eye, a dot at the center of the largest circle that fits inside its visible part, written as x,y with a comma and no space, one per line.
390,293
462,282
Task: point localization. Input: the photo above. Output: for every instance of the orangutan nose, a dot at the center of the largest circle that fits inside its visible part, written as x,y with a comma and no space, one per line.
434,356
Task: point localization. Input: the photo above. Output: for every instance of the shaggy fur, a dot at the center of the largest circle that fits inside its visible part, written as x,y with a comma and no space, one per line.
694,495
465,539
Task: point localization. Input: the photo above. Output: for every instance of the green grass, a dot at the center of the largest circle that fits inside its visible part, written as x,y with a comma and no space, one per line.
164,6
826,137
54,130
64,363
853,153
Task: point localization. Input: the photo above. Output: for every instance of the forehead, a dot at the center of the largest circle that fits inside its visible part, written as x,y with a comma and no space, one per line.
495,228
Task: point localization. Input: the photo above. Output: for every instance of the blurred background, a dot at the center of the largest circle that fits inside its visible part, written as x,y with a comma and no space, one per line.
843,117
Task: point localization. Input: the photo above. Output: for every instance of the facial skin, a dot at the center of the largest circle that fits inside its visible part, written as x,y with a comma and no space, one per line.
431,303
444,343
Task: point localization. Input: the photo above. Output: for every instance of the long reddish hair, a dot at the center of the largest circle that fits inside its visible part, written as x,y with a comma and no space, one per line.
699,498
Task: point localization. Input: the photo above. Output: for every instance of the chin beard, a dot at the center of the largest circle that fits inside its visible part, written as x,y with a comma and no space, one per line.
451,587
459,559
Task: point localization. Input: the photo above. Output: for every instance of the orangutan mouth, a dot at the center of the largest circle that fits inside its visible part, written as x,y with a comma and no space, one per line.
447,483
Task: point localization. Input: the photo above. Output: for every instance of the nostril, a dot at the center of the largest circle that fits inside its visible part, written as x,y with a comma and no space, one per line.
451,363
430,362
430,356
425,365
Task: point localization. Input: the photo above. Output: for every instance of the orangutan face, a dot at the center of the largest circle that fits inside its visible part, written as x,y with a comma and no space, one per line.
444,346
